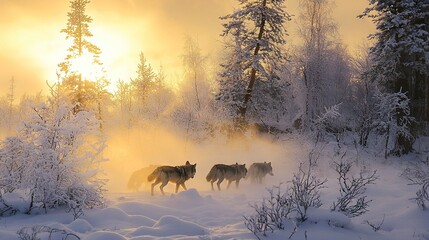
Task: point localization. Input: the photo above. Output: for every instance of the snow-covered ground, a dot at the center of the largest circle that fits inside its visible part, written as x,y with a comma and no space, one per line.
200,213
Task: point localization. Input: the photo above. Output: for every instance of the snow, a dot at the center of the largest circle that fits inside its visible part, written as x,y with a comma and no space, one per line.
200,213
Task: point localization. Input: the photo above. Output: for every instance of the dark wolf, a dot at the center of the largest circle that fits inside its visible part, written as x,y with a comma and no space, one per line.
178,175
258,171
233,172
139,177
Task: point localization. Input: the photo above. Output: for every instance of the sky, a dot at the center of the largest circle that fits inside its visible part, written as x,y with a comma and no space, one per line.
31,44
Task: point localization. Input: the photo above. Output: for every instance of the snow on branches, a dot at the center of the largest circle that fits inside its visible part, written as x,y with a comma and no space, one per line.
53,160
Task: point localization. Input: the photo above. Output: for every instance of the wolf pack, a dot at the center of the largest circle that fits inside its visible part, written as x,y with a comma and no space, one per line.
180,174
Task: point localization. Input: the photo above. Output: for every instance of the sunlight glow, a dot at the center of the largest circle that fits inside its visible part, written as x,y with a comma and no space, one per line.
86,66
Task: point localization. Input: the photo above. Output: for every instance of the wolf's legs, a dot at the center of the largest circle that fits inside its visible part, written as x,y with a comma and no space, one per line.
229,184
219,182
177,187
211,182
236,183
183,186
162,186
157,181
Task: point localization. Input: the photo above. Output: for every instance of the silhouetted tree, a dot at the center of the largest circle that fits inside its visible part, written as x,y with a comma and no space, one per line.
87,89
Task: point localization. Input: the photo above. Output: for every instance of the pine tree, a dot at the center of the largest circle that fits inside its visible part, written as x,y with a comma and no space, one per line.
143,84
78,30
400,55
258,32
82,74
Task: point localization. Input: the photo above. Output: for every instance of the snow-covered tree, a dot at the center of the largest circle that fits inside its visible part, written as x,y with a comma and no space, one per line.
123,101
54,159
322,62
257,32
143,84
160,97
83,78
393,120
361,100
400,56
193,110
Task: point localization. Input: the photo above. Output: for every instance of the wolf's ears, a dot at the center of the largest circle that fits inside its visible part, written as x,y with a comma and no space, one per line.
187,163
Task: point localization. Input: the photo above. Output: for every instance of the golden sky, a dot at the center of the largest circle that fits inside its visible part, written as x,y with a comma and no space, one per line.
31,44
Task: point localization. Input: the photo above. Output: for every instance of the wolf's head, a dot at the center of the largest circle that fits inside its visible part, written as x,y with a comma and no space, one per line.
190,169
269,168
242,170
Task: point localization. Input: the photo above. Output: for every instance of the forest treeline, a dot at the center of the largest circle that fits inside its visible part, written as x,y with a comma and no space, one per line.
260,82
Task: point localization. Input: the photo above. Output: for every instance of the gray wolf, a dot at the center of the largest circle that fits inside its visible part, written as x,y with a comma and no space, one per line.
139,177
233,172
178,175
258,171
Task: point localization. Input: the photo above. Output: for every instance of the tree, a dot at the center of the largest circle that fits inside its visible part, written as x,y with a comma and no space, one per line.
194,110
123,97
194,63
393,120
322,61
143,84
78,30
400,55
82,74
362,97
258,32
161,96
10,100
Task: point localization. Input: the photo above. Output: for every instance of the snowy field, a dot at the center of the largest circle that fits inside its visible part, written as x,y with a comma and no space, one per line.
200,213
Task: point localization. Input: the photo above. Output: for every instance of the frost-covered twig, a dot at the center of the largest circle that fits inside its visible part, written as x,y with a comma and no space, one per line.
374,226
271,214
352,200
305,190
419,175
31,233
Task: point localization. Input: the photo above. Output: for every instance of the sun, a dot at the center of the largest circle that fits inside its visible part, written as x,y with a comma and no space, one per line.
85,66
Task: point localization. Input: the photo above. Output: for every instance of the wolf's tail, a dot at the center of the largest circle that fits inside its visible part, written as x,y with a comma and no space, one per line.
211,175
154,174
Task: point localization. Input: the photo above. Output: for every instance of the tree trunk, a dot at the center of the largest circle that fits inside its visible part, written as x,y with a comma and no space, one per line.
241,118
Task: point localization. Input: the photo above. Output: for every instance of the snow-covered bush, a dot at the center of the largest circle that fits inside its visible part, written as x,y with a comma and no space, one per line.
290,206
271,213
329,123
54,158
35,232
305,190
418,174
352,199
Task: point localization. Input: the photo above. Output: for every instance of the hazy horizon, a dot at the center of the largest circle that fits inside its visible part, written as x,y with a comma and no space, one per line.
32,44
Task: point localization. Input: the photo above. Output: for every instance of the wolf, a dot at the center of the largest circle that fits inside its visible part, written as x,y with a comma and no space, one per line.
139,177
178,175
233,172
258,171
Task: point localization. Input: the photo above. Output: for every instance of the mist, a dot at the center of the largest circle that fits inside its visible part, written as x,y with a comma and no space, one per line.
132,149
